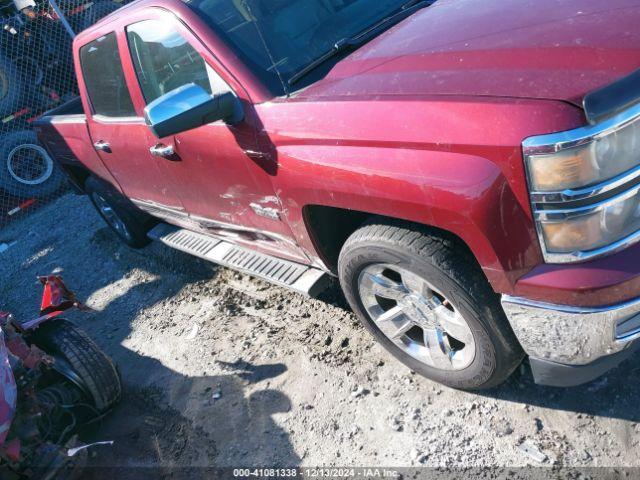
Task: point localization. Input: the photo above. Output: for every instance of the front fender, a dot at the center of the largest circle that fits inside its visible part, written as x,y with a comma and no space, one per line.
464,194
452,162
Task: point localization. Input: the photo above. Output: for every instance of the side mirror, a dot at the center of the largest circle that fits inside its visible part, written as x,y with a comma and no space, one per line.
188,107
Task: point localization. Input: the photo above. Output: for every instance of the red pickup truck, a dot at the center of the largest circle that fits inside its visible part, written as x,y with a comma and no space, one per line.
468,169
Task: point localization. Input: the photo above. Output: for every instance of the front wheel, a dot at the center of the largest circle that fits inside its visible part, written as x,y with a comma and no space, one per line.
427,302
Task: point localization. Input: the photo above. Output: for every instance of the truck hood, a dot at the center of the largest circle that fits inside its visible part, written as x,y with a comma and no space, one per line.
540,49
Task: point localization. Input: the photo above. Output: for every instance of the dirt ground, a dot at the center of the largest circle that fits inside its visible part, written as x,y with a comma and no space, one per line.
226,370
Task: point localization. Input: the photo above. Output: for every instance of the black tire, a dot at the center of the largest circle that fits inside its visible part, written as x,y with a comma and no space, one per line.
12,87
26,169
62,339
450,268
135,224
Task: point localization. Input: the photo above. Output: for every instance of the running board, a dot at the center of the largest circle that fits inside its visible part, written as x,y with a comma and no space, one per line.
301,278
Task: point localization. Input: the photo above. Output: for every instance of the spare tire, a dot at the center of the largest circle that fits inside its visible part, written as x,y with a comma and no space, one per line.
12,87
63,340
26,169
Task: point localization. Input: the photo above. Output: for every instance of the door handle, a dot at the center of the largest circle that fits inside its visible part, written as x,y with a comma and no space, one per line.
164,151
102,146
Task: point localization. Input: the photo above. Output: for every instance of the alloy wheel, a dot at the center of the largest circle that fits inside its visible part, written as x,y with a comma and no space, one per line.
111,216
416,317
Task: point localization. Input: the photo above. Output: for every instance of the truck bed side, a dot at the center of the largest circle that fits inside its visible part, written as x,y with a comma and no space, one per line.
64,133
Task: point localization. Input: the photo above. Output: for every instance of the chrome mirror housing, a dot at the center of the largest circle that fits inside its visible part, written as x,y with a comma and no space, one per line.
189,107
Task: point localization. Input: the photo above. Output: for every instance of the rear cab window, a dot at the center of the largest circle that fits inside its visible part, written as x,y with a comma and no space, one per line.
104,78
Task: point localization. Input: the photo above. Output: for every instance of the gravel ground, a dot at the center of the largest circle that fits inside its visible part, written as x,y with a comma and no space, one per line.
226,370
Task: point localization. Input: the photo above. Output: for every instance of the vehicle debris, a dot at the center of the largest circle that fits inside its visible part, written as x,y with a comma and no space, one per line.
49,368
193,333
72,451
532,451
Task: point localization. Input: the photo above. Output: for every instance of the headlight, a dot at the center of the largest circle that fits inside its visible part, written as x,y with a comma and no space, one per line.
585,186
591,163
592,228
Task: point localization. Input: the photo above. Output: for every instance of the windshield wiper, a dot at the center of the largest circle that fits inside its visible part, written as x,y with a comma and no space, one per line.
352,43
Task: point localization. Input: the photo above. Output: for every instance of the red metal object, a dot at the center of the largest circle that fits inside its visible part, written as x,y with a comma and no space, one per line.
17,354
9,212
8,397
22,206
15,115
424,123
29,355
56,299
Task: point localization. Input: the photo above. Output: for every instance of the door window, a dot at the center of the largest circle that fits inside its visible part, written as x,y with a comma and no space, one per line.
164,61
104,78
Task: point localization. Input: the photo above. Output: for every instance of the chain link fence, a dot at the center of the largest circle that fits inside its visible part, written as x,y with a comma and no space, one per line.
36,74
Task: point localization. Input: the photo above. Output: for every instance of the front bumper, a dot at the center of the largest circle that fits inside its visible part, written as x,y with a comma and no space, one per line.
572,345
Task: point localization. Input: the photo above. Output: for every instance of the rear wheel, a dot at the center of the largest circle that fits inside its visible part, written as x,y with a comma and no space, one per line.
426,301
82,361
130,224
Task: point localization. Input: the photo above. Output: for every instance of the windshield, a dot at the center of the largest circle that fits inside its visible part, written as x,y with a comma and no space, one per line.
277,38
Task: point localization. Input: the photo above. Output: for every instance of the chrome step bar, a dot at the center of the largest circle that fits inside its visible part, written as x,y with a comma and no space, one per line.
296,276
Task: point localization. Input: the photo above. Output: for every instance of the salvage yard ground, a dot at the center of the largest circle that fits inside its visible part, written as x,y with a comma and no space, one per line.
226,370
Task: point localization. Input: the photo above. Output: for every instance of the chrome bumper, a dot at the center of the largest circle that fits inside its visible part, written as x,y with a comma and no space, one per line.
572,335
